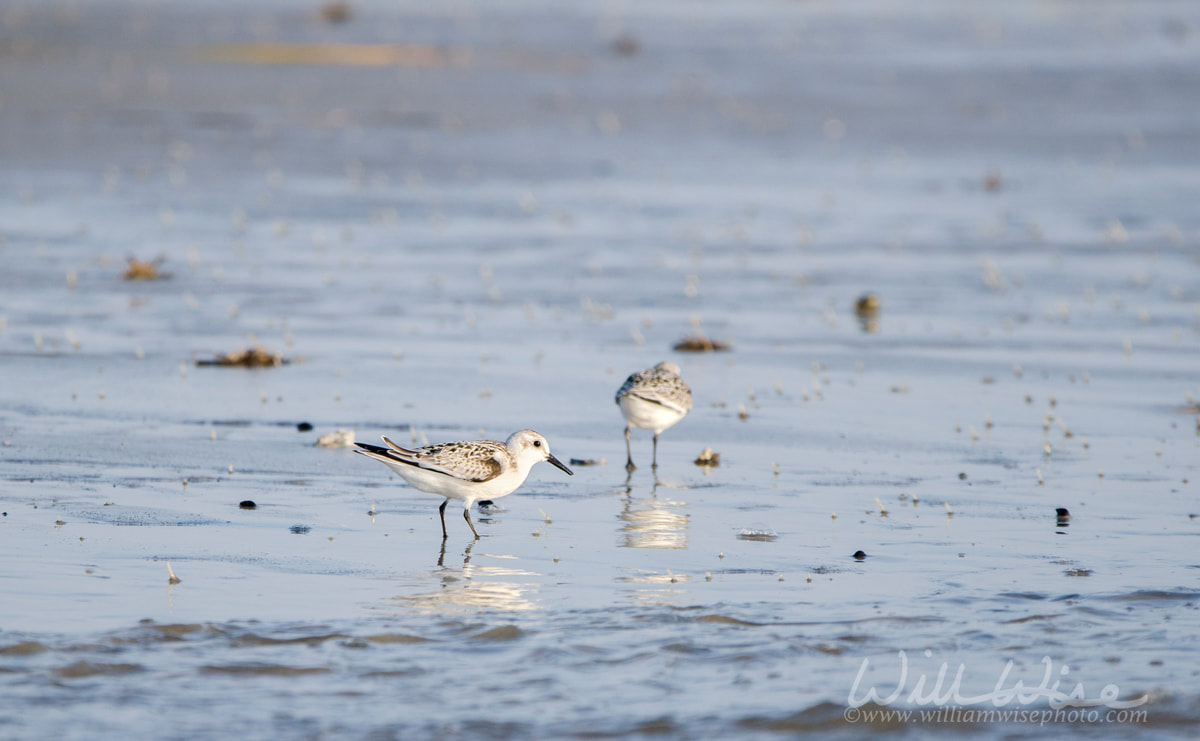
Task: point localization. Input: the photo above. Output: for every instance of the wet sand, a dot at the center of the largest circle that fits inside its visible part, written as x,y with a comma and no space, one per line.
460,222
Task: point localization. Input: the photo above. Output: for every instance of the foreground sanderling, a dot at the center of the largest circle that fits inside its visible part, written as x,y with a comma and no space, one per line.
653,399
469,471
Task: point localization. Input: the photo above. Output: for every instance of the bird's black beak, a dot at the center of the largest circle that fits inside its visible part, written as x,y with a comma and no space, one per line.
558,464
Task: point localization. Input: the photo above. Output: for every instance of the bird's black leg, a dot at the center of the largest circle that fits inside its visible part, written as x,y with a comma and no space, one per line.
467,517
628,455
654,463
442,512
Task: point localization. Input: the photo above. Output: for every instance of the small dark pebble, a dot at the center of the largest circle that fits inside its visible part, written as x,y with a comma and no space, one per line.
6,514
626,45
962,477
1062,513
859,555
301,529
304,427
247,504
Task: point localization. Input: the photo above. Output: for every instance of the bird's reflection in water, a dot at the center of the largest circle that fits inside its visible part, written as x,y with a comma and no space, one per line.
651,521
475,585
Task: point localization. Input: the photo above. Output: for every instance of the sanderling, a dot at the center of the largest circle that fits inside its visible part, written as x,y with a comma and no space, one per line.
469,470
653,399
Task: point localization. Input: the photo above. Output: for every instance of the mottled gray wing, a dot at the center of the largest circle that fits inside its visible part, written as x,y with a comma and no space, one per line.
630,384
658,387
474,460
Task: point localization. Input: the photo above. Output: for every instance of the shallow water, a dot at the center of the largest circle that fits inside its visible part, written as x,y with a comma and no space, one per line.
489,231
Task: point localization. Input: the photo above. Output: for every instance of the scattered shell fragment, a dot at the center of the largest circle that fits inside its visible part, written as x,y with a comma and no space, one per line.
866,308
342,437
171,578
143,270
626,45
708,458
867,304
700,343
336,12
764,535
252,357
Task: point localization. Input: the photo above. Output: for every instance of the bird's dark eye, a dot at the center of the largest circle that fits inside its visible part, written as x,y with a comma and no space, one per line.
537,443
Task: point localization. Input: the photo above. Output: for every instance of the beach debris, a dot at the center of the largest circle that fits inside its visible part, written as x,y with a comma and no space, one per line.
867,304
247,504
337,11
304,427
866,308
764,535
144,270
626,45
589,461
882,510
860,555
1079,572
251,357
342,437
700,343
171,578
742,413
992,182
1062,514
300,529
708,458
